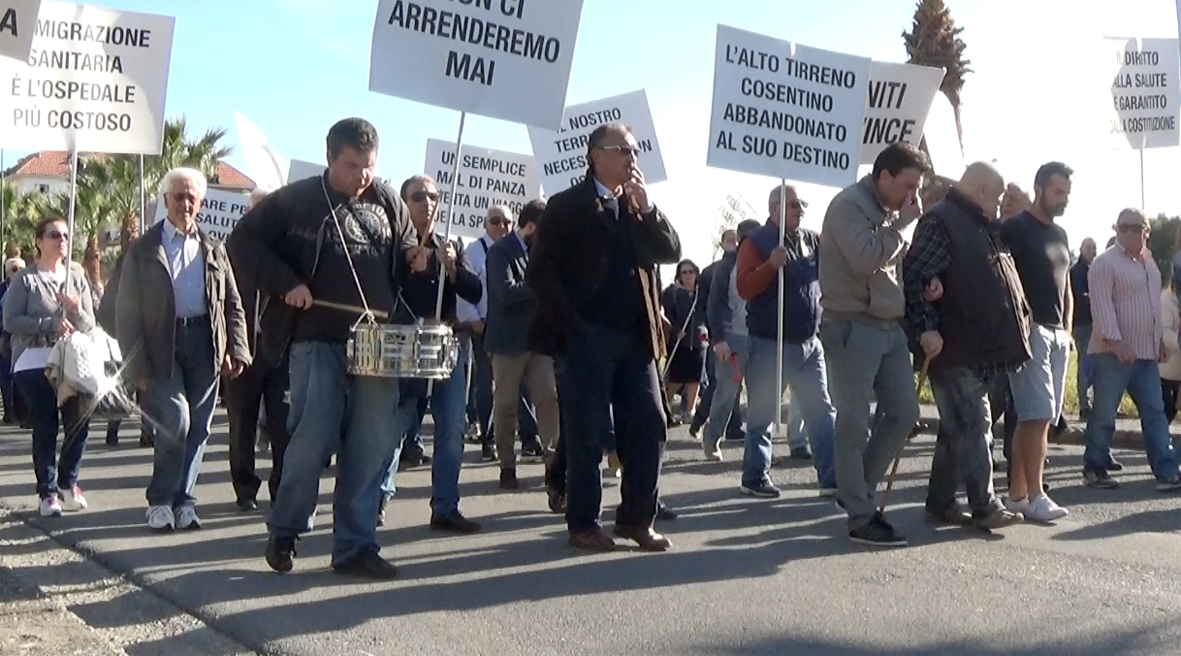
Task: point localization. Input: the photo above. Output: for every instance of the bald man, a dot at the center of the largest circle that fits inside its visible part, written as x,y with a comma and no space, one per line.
976,331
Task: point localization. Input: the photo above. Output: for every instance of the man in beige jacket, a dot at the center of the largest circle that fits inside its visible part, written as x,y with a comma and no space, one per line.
865,232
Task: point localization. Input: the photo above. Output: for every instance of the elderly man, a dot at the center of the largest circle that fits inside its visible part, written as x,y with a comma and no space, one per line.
1127,345
180,323
866,349
778,271
261,383
329,246
977,332
593,270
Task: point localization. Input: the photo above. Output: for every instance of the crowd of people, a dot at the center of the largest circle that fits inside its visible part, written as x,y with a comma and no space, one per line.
569,341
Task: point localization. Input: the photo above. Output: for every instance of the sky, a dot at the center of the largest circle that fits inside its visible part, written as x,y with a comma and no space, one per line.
1037,93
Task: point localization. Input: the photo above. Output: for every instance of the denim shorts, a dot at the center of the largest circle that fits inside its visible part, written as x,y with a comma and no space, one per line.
1040,384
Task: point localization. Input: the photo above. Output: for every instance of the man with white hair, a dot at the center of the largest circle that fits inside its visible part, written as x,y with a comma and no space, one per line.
261,383
180,323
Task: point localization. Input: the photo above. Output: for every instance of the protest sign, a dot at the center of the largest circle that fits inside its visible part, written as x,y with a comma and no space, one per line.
266,167
487,178
561,155
219,213
1144,92
500,58
301,170
18,20
95,80
786,110
735,209
896,107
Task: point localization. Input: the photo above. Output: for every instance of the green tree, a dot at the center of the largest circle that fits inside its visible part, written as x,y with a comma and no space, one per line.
1163,242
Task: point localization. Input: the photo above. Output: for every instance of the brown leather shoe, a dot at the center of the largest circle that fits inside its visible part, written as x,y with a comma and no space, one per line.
645,536
593,540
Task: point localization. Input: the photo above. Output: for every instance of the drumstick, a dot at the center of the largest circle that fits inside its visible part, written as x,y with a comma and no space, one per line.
377,314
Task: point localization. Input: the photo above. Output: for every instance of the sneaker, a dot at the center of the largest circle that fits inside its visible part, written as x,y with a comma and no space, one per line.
1044,510
764,490
956,515
1114,465
714,454
472,434
187,520
1171,485
488,453
368,564
998,518
281,553
1099,479
877,533
533,451
49,507
454,523
695,429
72,499
161,518
1018,506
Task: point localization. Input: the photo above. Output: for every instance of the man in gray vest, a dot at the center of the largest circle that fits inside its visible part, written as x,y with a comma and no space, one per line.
974,332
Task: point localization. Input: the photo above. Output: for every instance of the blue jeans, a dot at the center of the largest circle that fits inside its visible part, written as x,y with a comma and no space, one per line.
797,436
447,410
181,410
44,413
334,412
804,373
962,449
1142,382
728,378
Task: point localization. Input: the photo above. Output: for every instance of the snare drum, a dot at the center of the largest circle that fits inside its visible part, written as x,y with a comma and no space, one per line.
396,351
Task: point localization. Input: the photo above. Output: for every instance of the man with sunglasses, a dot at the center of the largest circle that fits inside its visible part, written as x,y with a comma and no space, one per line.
1127,345
322,249
766,271
593,270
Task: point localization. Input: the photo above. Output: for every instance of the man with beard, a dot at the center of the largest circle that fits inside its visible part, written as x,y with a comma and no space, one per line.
1041,253
335,241
978,331
593,271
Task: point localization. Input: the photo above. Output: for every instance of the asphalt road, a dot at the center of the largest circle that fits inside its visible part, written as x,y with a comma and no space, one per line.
746,576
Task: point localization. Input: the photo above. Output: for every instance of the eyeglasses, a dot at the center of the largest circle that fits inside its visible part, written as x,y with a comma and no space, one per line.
57,234
624,150
420,196
798,204
499,220
1128,228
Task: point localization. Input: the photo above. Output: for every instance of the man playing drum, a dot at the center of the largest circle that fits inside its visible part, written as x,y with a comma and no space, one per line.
325,245
420,294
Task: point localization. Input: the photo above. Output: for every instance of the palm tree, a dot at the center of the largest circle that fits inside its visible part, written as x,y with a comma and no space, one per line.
23,214
934,40
94,210
8,200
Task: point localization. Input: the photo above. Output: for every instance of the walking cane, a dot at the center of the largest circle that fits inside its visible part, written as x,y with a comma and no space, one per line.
898,458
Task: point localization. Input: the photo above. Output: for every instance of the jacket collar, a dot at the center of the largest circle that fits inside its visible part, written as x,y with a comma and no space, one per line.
957,198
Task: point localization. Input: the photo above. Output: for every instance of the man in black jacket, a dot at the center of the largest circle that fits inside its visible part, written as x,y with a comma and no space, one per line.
420,293
342,240
593,270
1082,324
976,332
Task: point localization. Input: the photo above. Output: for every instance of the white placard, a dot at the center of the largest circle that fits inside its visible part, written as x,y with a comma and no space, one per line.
18,20
561,155
735,209
896,107
486,178
506,59
95,79
785,110
266,167
219,213
1144,92
301,170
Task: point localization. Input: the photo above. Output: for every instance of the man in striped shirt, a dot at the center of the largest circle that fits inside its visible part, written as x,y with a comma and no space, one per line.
1126,345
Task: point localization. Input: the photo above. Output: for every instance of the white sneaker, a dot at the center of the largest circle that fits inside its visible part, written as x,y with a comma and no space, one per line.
49,507
160,518
73,500
1043,509
187,520
1017,505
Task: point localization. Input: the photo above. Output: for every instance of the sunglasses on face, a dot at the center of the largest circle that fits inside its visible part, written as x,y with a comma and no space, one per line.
624,150
499,220
57,234
1130,228
420,196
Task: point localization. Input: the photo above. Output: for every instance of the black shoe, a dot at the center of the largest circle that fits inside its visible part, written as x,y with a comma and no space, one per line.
556,500
877,533
1099,478
488,453
455,523
695,428
533,450
369,565
664,513
247,505
281,553
508,480
145,440
1114,465
801,453
764,490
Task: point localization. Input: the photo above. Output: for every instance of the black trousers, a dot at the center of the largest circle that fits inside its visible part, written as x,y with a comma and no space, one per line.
260,383
1169,389
609,381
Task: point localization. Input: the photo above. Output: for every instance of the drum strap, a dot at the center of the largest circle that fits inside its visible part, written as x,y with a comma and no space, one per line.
348,257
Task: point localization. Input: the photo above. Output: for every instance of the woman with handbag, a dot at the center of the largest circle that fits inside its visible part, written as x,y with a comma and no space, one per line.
46,302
